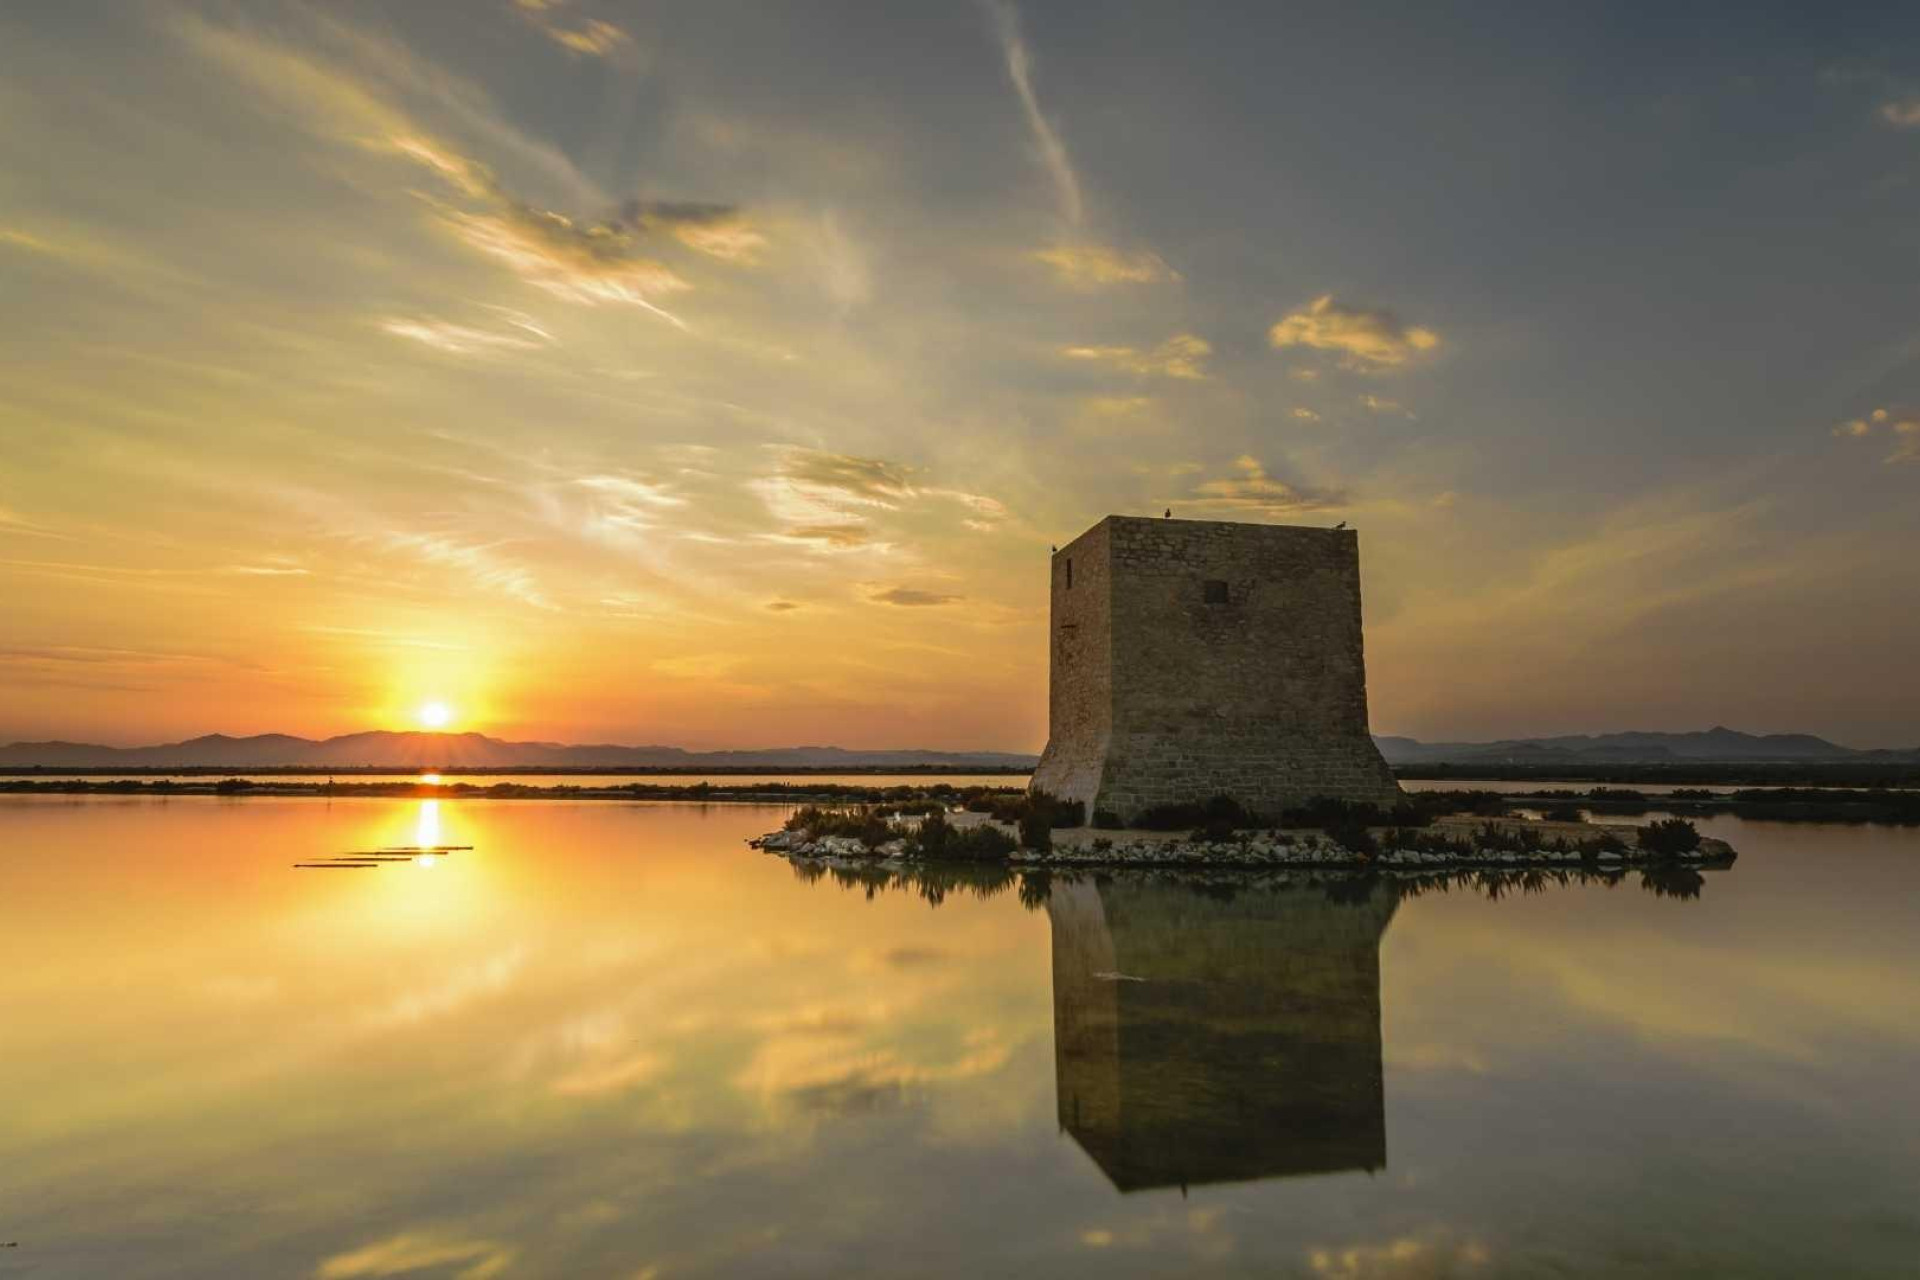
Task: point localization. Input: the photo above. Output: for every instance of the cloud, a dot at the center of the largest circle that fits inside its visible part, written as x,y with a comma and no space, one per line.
581,262
911,597
1902,114
604,260
1256,492
419,1251
1305,415
831,499
1117,406
1369,339
626,489
1379,404
1046,139
1901,425
267,570
717,230
866,481
1180,356
476,560
460,339
1094,266
594,1079
589,37
782,606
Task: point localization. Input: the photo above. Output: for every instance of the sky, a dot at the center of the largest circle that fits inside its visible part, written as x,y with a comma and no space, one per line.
720,375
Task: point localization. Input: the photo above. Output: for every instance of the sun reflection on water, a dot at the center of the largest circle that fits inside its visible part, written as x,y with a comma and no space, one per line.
426,825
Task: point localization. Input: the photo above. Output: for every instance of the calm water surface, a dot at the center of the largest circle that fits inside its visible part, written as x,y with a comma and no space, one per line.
609,1040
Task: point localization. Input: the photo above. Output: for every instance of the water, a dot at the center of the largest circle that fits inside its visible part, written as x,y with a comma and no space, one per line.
610,1040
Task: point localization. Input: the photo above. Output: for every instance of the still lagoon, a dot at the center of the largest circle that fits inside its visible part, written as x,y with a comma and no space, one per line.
608,1039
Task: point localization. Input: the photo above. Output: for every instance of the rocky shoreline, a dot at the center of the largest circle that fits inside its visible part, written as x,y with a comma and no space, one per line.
1266,850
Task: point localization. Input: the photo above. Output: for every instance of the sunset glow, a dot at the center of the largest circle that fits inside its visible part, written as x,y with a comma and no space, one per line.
661,384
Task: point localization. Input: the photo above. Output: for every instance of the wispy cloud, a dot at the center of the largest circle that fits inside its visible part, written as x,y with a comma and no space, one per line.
460,339
1368,338
1901,427
590,37
1252,491
1903,113
412,1251
1181,356
1094,266
1379,404
1046,138
911,597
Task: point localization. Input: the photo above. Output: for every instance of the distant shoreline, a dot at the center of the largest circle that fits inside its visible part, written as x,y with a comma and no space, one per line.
1692,773
515,771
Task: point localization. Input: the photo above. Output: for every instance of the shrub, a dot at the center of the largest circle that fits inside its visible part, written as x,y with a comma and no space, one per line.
980,844
1215,831
1107,820
1354,837
1669,837
1036,829
864,825
1186,813
939,840
1169,817
1427,842
230,786
1565,813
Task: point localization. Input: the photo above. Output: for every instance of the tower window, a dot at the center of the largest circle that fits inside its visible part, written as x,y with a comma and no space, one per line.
1216,591
1069,573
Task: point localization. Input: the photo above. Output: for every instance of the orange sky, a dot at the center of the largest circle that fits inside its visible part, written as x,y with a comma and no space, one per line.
607,377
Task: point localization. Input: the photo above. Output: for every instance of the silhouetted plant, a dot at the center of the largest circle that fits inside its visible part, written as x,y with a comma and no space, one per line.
1669,837
1036,829
1354,837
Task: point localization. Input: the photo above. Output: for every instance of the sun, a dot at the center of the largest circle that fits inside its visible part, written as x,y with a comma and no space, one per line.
435,715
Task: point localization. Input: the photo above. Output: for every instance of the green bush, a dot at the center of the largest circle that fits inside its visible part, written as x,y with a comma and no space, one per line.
1107,820
1669,837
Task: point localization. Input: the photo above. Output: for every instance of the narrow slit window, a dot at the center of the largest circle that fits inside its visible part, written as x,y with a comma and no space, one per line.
1216,591
1069,573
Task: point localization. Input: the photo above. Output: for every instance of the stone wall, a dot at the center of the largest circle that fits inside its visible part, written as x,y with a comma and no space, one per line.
1080,668
1197,658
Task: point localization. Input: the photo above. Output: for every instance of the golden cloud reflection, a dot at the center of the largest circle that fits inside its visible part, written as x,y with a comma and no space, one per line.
621,1006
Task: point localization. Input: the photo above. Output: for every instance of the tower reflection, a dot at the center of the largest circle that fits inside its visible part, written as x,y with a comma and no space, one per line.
1205,1037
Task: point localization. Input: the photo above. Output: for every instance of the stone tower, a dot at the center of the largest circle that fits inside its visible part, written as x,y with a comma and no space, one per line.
1195,658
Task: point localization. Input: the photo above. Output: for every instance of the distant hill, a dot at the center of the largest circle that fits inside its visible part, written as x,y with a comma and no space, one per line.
478,751
469,751
1716,745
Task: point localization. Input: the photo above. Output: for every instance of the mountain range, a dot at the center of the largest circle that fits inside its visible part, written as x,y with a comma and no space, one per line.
454,751
478,751
1718,745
